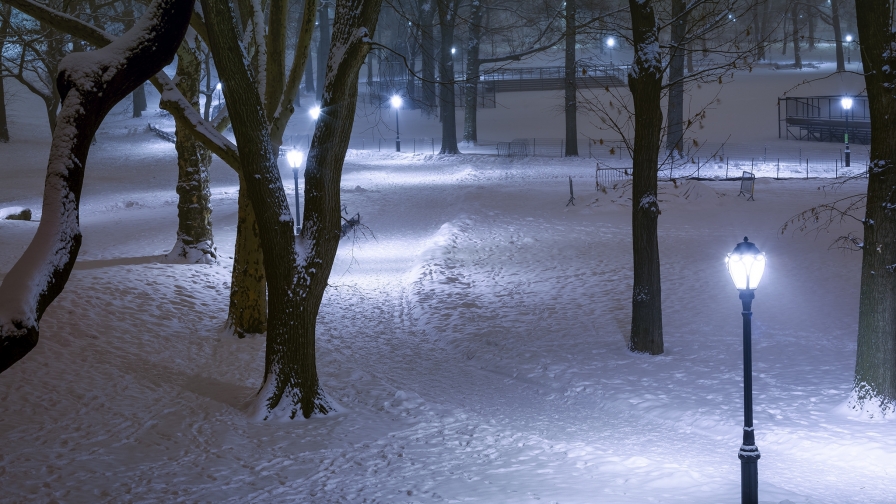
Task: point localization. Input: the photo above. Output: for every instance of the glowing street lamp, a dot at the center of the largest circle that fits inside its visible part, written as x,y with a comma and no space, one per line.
846,103
746,265
611,42
314,112
848,44
294,158
396,104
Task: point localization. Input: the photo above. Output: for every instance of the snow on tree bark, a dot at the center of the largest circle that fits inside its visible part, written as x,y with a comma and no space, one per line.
447,24
90,84
645,82
297,270
569,81
874,390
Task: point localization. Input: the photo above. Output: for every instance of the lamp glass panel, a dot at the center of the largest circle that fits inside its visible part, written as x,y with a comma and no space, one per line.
746,269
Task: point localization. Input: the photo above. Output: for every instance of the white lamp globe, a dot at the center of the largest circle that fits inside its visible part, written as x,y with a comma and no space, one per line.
294,158
396,101
611,42
314,112
746,265
846,102
849,38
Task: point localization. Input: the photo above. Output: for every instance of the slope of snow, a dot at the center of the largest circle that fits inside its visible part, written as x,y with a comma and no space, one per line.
476,341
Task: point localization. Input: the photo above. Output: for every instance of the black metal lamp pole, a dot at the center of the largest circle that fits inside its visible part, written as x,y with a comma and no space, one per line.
746,265
749,452
295,174
397,134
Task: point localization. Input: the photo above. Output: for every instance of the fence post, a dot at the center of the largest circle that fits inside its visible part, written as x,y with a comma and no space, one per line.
836,164
807,168
726,167
778,172
698,166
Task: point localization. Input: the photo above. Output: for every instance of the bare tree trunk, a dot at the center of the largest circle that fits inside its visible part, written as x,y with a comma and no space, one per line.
569,87
795,23
838,34
645,82
248,311
323,18
4,29
447,20
90,84
309,77
427,50
297,270
195,241
675,118
139,101
471,84
875,379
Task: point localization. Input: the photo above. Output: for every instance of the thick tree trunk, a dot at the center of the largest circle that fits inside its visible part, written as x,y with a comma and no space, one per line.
795,24
195,242
447,20
4,29
297,270
569,87
90,84
281,114
248,311
675,113
471,84
309,77
645,82
875,380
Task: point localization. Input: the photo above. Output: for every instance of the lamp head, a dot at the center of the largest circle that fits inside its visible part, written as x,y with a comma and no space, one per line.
294,158
314,112
396,101
453,50
218,86
746,265
846,102
849,38
611,41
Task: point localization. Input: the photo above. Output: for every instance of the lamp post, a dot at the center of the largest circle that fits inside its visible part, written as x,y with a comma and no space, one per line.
396,104
848,44
846,103
294,158
745,265
610,43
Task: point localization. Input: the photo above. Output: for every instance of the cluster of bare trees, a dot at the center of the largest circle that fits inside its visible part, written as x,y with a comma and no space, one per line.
260,51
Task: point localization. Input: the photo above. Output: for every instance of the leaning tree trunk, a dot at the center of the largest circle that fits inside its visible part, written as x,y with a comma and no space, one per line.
471,84
323,45
875,378
645,82
447,20
297,269
90,84
675,112
195,242
569,81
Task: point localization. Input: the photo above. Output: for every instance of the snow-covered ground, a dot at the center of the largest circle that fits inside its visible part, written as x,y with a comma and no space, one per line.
476,345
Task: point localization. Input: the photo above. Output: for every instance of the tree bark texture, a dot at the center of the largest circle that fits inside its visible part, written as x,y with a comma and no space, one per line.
297,270
838,34
195,241
248,311
569,87
4,29
875,377
90,84
447,24
471,84
675,112
138,101
645,82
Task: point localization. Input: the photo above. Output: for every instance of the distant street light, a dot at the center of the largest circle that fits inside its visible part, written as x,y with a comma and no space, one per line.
218,94
396,104
846,103
848,44
314,112
611,42
294,158
746,265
